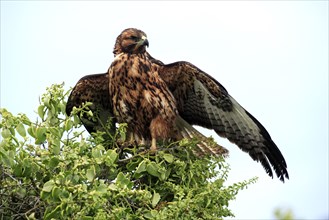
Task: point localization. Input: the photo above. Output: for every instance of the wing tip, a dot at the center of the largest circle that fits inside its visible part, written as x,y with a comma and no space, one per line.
279,167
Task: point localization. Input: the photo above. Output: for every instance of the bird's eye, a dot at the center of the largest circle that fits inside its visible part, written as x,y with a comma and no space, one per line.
134,38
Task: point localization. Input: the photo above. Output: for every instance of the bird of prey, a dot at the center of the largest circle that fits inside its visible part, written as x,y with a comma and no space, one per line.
162,101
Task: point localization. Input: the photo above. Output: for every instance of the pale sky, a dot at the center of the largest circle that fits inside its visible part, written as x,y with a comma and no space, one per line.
271,56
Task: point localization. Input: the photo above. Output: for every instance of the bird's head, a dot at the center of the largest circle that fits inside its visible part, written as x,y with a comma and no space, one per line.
131,40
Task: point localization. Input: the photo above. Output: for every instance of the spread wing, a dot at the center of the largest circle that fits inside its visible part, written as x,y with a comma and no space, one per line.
201,100
93,88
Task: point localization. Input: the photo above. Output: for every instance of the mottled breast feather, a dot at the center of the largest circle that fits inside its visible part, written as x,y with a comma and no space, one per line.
139,95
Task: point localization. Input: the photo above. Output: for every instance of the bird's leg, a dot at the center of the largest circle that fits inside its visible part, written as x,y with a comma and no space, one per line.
153,145
129,141
160,130
143,142
131,137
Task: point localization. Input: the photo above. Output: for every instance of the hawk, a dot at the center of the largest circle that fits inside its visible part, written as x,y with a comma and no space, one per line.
161,101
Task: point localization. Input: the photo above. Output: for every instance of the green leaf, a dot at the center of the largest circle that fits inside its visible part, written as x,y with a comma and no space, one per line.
32,216
96,153
169,158
68,125
102,188
123,181
48,186
26,120
76,119
111,157
12,131
21,130
141,167
113,187
41,111
133,164
52,213
18,170
91,172
6,157
151,215
167,174
56,193
5,133
62,107
90,114
53,162
148,215
27,169
162,173
55,146
31,130
46,101
155,199
152,168
44,195
64,194
40,135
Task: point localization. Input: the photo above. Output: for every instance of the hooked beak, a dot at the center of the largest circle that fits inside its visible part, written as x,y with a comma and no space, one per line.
146,43
143,42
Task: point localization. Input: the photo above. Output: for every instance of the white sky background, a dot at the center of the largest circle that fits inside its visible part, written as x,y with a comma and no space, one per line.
272,57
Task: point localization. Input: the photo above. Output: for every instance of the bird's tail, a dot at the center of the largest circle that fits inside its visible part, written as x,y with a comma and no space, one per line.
205,146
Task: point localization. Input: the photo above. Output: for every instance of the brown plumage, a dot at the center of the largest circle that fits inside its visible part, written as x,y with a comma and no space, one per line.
142,99
192,97
93,88
139,96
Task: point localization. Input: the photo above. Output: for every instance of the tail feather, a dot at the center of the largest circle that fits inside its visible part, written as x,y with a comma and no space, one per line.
205,146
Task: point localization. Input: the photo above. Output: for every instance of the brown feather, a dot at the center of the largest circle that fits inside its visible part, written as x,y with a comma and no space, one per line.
93,88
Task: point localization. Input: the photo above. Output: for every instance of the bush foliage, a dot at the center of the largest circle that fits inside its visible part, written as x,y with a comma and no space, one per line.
51,169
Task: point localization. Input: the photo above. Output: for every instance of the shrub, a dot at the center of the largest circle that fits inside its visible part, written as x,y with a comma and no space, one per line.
50,169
